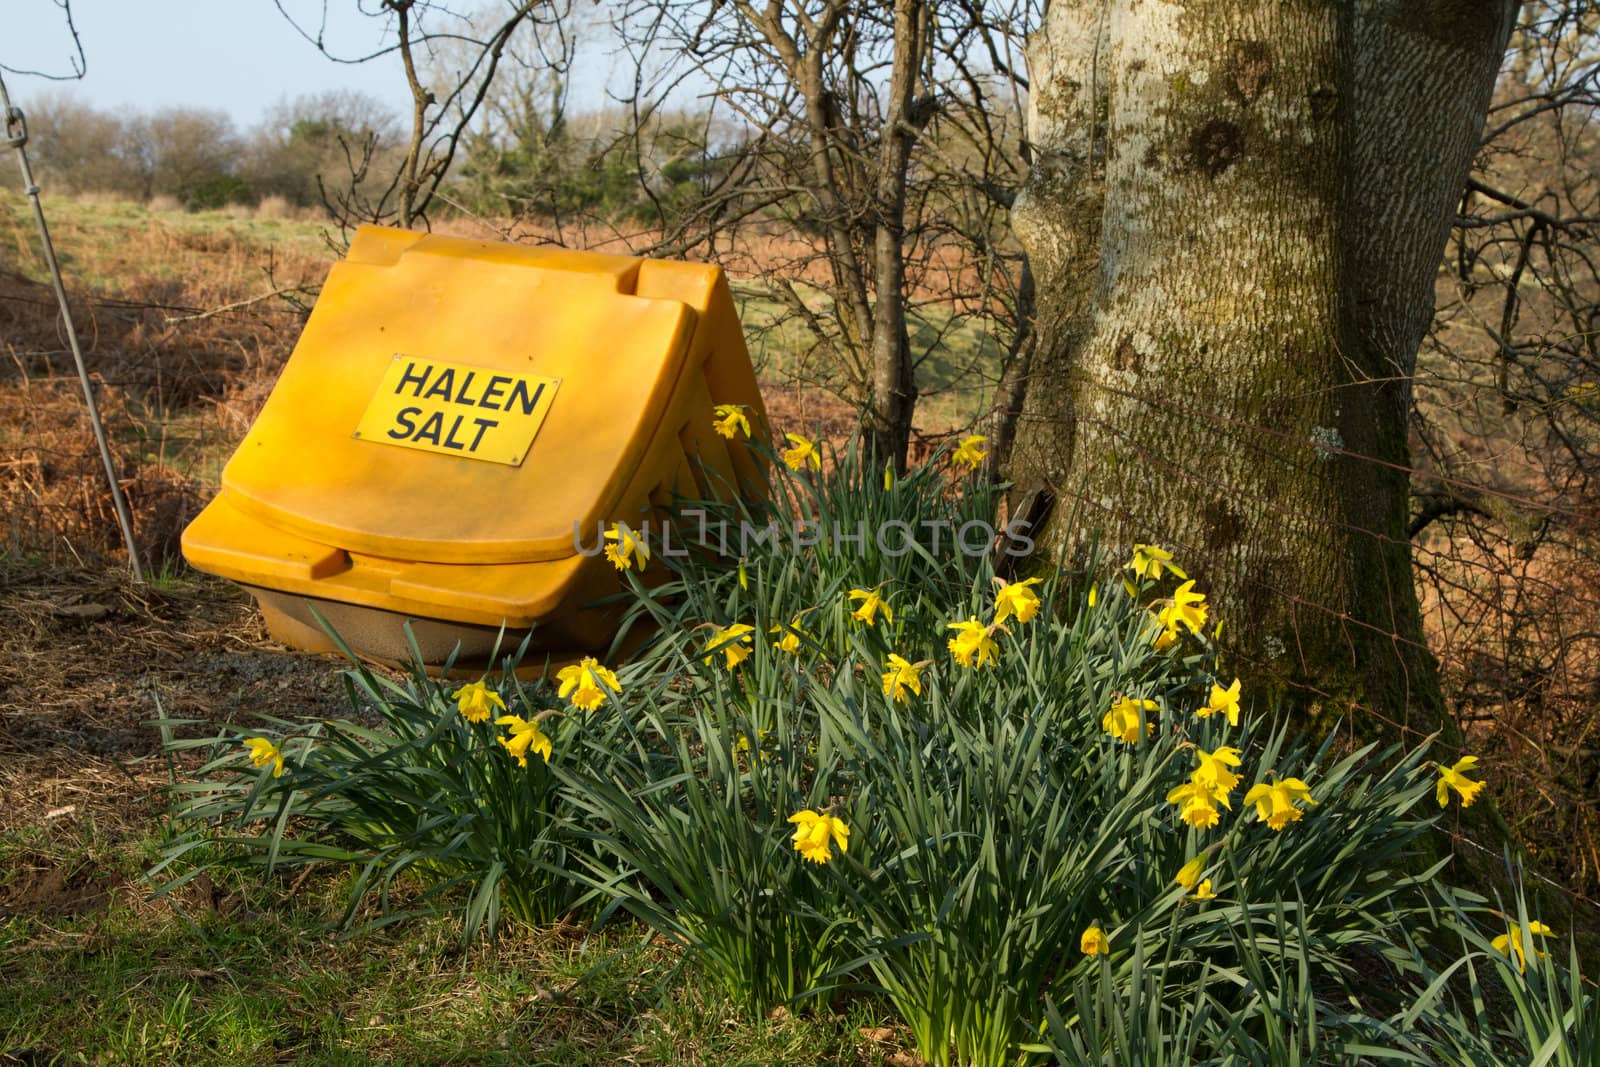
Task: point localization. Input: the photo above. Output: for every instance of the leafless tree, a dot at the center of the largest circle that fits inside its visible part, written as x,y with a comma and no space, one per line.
442,105
76,62
884,142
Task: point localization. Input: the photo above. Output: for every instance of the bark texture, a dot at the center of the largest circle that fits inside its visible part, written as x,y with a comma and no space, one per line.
1235,224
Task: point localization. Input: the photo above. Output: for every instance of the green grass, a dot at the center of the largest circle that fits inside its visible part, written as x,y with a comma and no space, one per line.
94,238
260,979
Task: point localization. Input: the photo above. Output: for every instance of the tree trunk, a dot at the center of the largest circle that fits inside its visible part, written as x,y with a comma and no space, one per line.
886,421
1230,307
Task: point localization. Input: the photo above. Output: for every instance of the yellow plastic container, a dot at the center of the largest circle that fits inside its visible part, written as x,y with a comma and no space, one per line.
458,417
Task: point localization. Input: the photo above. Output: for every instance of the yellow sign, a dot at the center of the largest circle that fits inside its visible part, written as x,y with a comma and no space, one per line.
457,410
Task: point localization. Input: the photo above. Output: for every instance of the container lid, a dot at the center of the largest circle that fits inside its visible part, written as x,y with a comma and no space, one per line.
462,401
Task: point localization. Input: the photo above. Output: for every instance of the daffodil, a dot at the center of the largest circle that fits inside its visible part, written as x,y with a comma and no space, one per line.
789,636
1198,802
263,752
972,646
1188,608
1224,700
1189,873
587,684
1094,595
1510,943
731,420
1122,721
803,452
1275,803
1149,561
1213,769
477,702
888,477
525,737
626,548
1456,778
968,453
815,832
742,745
871,604
1015,599
1094,942
1203,891
901,675
734,641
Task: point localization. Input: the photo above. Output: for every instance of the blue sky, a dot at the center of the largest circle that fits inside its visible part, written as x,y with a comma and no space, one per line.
237,56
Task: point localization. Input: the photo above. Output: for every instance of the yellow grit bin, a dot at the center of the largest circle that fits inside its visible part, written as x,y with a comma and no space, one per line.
458,417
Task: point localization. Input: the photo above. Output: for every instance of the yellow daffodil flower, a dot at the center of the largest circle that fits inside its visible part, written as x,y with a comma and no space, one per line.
625,547
815,832
1094,595
525,737
1510,943
1189,873
1213,769
476,702
1223,700
1203,891
731,420
901,675
1165,638
968,454
1015,599
742,745
803,452
263,752
1149,561
1094,942
1198,802
1456,778
1122,721
1275,803
1187,608
587,684
790,638
972,639
888,477
871,604
734,641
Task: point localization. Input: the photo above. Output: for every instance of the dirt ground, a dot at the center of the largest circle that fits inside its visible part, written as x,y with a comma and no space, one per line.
87,660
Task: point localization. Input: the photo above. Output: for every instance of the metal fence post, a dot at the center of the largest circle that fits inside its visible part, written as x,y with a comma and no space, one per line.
16,136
